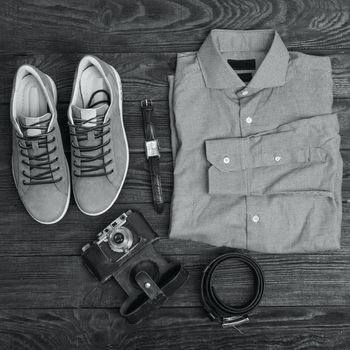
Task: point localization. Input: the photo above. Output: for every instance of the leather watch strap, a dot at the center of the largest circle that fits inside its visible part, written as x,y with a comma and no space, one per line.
227,315
152,154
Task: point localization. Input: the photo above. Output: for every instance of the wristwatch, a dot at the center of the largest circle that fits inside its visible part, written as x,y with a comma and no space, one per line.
152,154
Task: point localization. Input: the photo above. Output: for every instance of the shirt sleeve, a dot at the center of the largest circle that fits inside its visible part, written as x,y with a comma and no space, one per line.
295,158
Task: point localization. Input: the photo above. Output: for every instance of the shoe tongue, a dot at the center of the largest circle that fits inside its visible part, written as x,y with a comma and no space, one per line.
90,114
40,124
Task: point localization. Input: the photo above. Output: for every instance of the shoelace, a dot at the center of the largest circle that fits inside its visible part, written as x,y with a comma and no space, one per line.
40,161
81,131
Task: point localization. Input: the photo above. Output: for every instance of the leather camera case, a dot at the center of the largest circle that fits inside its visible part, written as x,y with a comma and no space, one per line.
147,277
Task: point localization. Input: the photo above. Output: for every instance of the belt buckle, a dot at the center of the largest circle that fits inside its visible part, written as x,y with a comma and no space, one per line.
234,322
152,149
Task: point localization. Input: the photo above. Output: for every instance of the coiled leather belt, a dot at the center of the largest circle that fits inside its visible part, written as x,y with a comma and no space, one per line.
227,315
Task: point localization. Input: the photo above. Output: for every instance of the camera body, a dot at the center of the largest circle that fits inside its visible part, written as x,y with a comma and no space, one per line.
124,250
117,243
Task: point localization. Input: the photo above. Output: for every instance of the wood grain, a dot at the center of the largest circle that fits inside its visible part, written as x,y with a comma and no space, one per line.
301,328
63,281
48,300
22,236
39,26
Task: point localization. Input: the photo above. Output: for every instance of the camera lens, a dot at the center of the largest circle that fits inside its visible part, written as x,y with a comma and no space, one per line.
118,238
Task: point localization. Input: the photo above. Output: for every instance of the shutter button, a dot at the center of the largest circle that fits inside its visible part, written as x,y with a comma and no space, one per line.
255,219
226,160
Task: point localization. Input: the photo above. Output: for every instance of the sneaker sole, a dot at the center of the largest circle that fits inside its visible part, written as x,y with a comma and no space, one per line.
119,83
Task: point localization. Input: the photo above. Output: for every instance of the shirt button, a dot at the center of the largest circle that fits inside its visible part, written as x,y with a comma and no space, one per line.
249,120
277,158
226,160
255,219
244,93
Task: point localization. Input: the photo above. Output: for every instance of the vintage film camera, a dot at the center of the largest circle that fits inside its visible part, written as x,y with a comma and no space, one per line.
124,250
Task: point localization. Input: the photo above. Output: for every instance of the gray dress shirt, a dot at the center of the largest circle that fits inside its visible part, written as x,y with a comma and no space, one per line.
255,146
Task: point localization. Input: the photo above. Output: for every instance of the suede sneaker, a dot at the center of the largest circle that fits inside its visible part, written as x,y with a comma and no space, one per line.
39,166
100,154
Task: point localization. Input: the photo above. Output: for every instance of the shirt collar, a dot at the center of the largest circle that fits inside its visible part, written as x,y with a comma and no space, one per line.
219,75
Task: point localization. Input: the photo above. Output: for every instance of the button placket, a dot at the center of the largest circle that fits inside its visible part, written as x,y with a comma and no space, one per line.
247,109
249,113
245,121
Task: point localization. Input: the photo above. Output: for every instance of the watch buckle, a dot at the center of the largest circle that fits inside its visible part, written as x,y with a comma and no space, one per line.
152,149
146,102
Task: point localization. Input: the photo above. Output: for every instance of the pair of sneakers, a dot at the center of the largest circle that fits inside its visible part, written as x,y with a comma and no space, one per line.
99,149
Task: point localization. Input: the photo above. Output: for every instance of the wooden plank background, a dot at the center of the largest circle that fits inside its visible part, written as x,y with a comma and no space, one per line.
47,298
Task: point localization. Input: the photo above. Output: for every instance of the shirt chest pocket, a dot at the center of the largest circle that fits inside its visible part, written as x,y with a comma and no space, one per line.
275,163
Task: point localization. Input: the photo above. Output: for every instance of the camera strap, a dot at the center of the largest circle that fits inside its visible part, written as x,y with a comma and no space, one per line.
152,154
230,316
150,287
154,294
